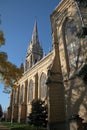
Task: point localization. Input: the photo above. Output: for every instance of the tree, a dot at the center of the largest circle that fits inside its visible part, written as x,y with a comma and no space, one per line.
82,2
83,73
9,73
2,40
1,112
39,113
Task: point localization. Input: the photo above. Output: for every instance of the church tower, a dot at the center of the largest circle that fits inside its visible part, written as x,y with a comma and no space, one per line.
35,51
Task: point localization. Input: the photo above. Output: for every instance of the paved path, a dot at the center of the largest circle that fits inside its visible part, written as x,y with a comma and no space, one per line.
3,128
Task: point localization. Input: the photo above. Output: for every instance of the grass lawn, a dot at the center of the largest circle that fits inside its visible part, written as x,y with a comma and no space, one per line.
18,126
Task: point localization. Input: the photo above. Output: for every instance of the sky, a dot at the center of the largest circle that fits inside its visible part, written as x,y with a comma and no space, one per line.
18,18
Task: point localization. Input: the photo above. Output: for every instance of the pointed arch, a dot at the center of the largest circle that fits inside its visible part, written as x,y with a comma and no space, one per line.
21,94
71,43
43,87
30,91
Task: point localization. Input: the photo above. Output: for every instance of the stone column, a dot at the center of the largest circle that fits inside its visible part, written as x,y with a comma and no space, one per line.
56,105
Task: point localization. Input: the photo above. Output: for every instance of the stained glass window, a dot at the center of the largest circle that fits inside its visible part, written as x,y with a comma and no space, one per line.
43,90
15,96
72,42
30,91
21,95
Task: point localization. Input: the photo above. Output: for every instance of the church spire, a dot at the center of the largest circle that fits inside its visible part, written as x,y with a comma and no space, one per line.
35,51
35,38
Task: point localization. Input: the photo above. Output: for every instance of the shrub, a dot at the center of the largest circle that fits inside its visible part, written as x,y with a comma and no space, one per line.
39,113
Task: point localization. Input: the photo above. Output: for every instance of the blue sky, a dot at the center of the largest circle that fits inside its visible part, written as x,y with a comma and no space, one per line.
18,17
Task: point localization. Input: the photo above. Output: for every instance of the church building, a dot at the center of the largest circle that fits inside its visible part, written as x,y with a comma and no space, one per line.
60,77
32,85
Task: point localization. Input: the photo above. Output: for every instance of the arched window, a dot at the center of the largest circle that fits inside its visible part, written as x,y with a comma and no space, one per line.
72,45
30,91
16,92
43,87
14,98
21,95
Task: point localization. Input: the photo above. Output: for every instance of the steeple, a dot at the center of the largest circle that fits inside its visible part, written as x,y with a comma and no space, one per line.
35,51
35,38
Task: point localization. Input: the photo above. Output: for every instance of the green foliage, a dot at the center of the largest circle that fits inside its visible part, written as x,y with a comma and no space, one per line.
82,2
39,113
1,112
18,126
9,73
2,39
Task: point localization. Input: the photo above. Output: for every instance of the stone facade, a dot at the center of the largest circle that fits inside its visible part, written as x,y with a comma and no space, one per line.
32,84
54,77
70,18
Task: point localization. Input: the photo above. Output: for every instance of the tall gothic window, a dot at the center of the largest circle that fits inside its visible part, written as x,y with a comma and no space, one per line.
43,87
21,95
72,45
16,96
30,91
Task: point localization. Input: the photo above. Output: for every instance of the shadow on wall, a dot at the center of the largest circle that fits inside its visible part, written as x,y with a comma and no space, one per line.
76,98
